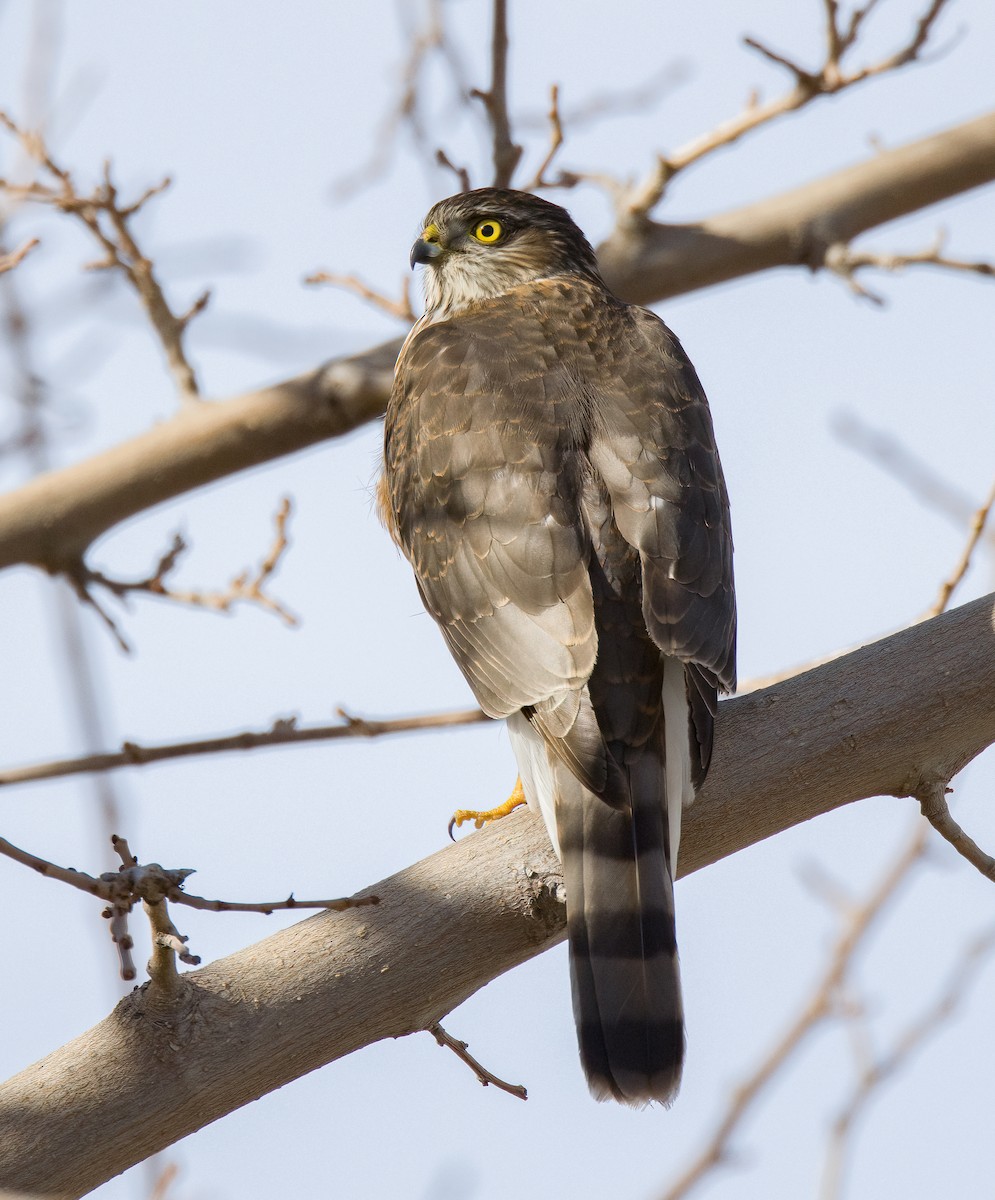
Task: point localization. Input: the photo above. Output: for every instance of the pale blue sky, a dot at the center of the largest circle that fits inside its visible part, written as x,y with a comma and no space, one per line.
255,110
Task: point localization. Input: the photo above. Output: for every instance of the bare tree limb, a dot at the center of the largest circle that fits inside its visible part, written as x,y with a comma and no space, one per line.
495,100
646,261
108,221
828,80
9,261
887,451
845,262
51,521
876,1073
978,522
283,732
400,309
917,706
484,1076
823,1002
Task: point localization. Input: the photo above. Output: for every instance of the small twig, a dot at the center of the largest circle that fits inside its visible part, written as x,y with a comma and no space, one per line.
401,309
874,1072
461,173
495,100
932,799
242,589
9,261
460,1050
153,885
539,180
283,732
164,1182
428,43
108,221
824,1001
637,202
884,449
845,262
978,522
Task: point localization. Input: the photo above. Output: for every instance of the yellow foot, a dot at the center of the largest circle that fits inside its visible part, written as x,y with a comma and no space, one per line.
479,819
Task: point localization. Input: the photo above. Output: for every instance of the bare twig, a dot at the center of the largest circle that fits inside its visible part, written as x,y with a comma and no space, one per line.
565,179
460,1050
978,523
887,451
427,44
828,80
620,102
845,262
824,1002
9,261
401,309
108,221
283,732
506,153
153,885
244,588
932,799
164,1181
874,1072
461,173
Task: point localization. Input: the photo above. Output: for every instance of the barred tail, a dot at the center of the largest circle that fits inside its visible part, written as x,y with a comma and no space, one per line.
620,927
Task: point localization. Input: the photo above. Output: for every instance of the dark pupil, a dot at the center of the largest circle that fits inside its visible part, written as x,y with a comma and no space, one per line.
487,231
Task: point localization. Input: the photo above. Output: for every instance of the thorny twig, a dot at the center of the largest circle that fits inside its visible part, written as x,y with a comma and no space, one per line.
283,732
637,202
401,309
245,588
154,885
108,221
845,262
486,1077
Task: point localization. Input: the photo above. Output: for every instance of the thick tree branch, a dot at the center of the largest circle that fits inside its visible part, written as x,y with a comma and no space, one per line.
646,261
884,720
53,520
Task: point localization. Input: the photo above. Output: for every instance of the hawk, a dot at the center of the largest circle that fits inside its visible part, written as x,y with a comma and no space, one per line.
550,472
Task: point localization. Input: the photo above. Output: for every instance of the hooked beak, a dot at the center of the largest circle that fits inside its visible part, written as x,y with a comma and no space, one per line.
426,248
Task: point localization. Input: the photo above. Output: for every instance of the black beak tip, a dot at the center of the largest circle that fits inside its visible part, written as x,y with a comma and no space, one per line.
423,252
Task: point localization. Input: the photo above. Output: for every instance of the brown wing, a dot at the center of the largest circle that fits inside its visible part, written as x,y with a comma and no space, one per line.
654,447
483,464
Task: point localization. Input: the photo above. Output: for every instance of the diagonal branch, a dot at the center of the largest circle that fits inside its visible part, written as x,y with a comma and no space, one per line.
51,521
915,704
828,80
109,223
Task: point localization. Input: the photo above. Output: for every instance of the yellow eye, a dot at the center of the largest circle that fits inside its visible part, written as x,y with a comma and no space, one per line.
488,231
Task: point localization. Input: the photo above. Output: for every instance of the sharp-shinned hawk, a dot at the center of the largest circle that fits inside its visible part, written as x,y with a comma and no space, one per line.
552,476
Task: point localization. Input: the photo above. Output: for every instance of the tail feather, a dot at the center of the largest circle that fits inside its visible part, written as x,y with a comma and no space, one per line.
621,932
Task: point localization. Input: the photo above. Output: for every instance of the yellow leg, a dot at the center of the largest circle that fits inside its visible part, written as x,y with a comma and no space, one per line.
479,819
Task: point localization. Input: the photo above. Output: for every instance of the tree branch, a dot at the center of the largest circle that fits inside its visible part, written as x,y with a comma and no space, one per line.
915,707
51,521
283,732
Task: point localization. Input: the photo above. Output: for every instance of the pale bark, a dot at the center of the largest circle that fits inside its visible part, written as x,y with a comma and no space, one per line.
51,521
890,718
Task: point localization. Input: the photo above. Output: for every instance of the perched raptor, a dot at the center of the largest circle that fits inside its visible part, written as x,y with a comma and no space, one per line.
550,472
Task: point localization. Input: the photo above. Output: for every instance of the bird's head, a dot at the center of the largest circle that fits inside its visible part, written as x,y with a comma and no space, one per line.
482,243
